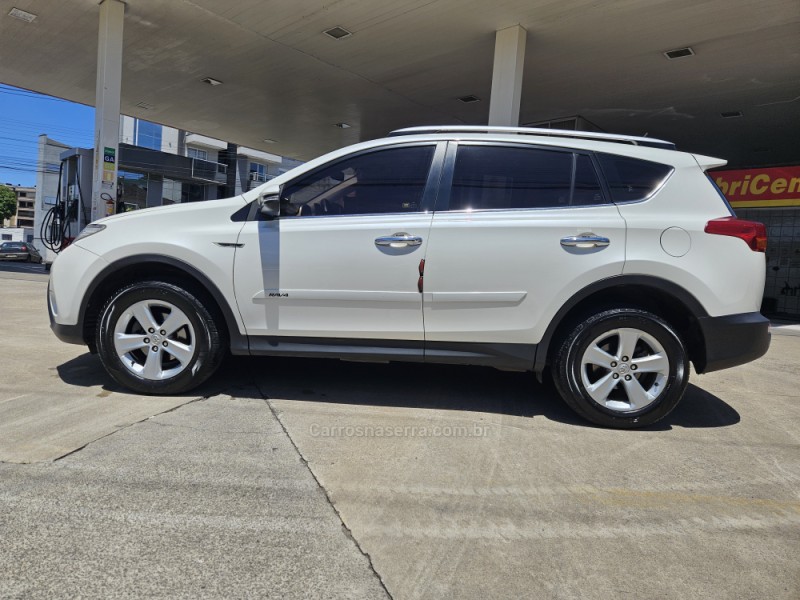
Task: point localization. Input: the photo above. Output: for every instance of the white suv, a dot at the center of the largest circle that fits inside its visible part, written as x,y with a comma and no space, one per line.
610,261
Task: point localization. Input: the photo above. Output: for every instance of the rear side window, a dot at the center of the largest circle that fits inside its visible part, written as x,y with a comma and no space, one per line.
505,177
631,179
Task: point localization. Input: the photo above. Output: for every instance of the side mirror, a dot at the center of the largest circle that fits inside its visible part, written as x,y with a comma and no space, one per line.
270,206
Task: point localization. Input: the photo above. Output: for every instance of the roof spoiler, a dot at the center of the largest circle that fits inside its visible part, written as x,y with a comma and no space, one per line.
709,162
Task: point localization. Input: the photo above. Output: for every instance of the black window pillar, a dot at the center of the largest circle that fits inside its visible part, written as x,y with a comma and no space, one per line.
228,158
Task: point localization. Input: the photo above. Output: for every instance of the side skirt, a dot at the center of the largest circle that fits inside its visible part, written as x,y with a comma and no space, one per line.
512,357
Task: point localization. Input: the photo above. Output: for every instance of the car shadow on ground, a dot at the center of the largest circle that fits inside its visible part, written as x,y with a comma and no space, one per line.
409,385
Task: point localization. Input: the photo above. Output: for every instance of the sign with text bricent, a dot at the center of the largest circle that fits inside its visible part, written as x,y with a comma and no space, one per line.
760,188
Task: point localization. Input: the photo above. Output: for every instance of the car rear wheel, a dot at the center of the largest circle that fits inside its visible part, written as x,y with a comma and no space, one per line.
622,368
158,338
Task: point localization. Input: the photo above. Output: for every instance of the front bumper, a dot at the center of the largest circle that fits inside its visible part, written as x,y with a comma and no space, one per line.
72,334
733,340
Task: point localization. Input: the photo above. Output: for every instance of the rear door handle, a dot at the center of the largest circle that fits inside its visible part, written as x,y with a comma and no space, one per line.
398,240
585,240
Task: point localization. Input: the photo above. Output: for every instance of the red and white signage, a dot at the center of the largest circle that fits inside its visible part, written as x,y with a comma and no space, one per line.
760,188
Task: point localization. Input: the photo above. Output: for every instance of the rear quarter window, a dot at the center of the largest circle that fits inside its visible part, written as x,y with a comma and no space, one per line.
632,179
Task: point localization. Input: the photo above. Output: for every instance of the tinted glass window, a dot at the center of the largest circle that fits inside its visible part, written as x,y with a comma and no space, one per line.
148,135
587,187
385,181
496,177
487,177
630,178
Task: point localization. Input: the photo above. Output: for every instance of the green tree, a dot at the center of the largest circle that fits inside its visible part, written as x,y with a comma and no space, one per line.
8,203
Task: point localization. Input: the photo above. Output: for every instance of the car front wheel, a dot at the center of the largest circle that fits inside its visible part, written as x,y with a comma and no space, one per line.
158,338
622,368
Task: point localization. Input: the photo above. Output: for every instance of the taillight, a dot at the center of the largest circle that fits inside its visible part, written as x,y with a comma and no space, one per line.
753,233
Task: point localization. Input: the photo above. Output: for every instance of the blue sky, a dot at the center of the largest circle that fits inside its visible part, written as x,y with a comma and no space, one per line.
23,116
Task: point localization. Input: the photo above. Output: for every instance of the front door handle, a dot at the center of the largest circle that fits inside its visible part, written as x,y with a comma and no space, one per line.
398,240
585,240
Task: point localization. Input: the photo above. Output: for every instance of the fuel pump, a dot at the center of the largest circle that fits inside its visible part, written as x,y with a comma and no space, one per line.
71,212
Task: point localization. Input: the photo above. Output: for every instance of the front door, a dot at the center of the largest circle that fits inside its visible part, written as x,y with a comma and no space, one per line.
342,260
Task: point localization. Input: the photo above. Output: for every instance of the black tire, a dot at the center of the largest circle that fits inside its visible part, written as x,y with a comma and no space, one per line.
572,369
201,333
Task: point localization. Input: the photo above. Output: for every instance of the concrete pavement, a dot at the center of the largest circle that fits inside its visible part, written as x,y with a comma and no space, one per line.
307,478
209,501
52,398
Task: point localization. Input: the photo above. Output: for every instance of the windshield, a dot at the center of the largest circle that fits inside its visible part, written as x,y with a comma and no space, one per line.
13,246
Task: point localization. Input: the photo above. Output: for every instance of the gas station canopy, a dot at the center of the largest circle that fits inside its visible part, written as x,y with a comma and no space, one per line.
275,80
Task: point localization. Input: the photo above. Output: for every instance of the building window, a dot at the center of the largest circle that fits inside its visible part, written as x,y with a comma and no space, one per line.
132,191
197,153
258,172
147,135
193,192
172,191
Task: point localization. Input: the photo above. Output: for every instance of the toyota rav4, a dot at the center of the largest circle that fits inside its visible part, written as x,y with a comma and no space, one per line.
612,262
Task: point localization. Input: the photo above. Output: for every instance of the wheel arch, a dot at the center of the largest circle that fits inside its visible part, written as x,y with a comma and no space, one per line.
154,266
659,296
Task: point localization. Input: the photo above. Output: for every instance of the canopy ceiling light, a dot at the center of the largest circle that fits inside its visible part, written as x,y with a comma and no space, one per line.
337,33
679,53
21,15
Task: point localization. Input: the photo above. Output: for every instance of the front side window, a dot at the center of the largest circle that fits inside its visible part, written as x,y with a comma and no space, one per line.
631,179
383,181
506,177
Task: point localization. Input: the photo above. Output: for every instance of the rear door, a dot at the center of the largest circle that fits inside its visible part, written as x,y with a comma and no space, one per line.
518,229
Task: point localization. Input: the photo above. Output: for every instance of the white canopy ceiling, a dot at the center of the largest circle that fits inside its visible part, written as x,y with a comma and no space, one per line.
408,61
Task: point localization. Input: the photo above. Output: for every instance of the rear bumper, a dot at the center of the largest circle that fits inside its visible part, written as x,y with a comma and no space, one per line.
733,340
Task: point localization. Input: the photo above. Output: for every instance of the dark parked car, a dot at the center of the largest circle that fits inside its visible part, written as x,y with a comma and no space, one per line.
20,251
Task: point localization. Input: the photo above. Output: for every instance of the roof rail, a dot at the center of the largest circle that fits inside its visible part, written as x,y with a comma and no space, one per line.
584,135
